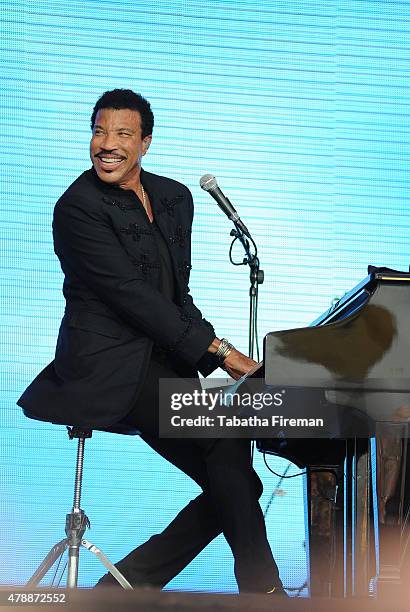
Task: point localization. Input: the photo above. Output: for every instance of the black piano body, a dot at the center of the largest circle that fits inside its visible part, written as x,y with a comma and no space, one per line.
355,360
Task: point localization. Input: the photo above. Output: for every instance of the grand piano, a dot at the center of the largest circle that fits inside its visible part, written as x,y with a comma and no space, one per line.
355,361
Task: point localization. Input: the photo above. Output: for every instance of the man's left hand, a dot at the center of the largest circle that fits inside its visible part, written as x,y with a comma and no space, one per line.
237,364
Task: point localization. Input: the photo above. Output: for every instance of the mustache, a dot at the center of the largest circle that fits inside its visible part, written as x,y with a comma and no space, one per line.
108,152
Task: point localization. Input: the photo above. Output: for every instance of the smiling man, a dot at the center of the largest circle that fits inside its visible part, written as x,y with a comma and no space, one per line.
122,236
118,145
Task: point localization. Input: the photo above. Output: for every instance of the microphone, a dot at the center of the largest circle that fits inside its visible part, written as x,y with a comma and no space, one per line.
208,183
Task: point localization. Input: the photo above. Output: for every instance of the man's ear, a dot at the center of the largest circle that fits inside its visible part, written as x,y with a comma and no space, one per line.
146,143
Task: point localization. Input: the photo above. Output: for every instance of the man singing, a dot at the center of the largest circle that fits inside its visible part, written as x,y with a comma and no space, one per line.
122,236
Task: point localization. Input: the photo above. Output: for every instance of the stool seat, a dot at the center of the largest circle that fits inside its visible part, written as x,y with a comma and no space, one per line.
118,428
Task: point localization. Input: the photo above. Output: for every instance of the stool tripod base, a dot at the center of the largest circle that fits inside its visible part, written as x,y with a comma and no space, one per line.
75,526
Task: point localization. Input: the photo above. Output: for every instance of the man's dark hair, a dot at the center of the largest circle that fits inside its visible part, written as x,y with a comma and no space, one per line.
126,98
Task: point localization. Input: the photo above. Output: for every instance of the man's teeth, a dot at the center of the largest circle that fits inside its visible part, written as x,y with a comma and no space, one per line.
111,160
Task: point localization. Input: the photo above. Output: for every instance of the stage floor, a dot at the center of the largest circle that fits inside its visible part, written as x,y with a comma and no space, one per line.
151,600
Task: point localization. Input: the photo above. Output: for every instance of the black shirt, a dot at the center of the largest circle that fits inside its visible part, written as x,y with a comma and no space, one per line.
166,279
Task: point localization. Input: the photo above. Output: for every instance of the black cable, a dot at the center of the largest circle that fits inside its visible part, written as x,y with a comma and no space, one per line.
281,475
272,497
298,589
314,470
245,260
256,324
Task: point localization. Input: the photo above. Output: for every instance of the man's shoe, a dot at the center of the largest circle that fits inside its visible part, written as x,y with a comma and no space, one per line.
277,590
135,581
108,580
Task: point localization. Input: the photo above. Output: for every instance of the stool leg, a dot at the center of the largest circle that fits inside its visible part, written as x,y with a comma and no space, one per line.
110,566
56,552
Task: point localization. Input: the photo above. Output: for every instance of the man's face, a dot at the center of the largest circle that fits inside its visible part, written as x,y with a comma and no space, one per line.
116,146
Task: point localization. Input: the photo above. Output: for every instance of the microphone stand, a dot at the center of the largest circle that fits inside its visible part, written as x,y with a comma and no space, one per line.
256,277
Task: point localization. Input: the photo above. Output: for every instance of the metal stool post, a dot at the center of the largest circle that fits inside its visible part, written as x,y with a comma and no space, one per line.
77,521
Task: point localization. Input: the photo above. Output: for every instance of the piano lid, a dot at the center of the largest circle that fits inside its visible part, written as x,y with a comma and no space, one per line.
355,298
360,344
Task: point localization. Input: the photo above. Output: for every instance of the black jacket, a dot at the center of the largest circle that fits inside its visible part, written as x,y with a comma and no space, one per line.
114,310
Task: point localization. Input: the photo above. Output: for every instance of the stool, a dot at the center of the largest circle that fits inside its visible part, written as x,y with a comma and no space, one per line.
76,524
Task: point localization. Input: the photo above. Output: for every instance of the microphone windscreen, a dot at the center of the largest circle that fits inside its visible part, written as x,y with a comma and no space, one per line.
208,182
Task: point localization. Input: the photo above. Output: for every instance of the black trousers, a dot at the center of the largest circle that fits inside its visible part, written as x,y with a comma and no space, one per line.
228,502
